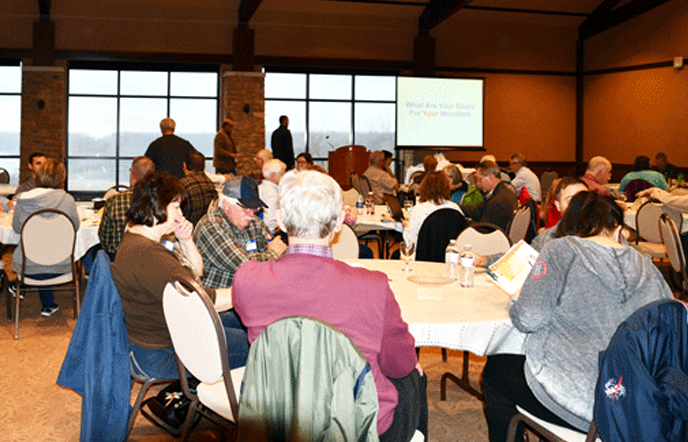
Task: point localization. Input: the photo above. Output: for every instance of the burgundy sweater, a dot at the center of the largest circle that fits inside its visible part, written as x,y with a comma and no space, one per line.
357,301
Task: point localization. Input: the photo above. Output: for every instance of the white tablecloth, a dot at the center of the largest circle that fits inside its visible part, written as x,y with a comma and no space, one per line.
380,220
7,189
450,316
86,236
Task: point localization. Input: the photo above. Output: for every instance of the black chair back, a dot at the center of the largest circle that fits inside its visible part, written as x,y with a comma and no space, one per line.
437,229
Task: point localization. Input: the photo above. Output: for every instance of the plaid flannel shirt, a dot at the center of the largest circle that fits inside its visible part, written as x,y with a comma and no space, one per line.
113,221
224,247
199,193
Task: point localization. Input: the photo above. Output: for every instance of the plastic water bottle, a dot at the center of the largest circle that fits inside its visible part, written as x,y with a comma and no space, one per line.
360,205
370,204
451,258
467,261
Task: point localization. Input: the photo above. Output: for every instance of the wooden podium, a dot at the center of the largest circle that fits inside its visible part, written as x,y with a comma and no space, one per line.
347,159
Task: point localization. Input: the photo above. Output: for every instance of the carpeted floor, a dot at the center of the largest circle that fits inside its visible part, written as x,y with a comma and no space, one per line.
34,408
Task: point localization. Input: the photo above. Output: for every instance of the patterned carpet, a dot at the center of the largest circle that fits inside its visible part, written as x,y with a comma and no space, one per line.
35,409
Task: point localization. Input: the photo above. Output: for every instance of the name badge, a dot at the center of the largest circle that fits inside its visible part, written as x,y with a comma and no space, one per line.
251,246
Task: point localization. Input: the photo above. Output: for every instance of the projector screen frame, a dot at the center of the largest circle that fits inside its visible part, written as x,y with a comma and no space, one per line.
442,147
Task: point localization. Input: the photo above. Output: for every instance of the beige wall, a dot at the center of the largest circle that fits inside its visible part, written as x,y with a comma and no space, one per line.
639,112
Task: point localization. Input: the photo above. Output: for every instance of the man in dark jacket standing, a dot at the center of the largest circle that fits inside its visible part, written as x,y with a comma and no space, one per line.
282,143
169,151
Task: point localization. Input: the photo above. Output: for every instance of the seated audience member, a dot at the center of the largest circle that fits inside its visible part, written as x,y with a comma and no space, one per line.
524,177
318,168
199,191
499,201
564,189
273,170
230,234
262,157
549,214
598,173
35,161
304,161
459,187
114,217
663,166
48,193
307,281
144,265
434,195
584,284
389,158
642,171
380,181
504,175
429,165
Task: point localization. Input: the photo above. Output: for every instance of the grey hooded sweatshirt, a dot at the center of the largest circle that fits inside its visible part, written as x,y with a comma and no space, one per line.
575,297
28,203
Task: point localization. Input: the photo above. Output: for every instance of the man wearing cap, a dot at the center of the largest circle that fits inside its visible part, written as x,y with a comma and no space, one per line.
224,157
230,234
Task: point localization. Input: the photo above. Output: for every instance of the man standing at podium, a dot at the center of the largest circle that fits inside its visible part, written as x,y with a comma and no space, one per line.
282,143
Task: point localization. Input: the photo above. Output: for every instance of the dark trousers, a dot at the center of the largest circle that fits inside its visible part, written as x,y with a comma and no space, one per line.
411,412
504,387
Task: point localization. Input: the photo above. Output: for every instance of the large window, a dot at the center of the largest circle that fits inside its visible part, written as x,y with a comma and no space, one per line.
10,120
114,114
327,111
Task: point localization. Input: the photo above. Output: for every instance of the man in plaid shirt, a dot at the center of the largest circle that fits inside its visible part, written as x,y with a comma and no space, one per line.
115,213
199,190
230,234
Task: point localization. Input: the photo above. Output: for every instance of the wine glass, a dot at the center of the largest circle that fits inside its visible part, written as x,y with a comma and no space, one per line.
406,251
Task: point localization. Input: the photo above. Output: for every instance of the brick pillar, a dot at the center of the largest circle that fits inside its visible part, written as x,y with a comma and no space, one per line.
243,100
44,114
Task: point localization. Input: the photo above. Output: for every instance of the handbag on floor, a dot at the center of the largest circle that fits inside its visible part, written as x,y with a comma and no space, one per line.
169,408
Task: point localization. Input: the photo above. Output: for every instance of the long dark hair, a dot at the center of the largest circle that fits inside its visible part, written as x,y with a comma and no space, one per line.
590,214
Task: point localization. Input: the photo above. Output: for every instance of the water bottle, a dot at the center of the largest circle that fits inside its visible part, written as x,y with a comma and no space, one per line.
370,203
467,277
360,206
451,258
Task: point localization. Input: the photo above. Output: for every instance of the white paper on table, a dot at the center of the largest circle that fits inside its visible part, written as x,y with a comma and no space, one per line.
512,269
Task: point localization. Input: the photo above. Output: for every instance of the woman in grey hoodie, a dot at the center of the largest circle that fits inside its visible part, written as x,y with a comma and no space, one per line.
584,284
48,194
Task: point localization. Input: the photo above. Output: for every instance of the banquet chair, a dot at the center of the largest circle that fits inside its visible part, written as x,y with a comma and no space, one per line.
647,226
114,190
546,180
303,375
674,248
365,186
519,224
547,430
147,382
4,176
355,180
437,230
345,244
642,392
350,197
191,319
47,238
485,239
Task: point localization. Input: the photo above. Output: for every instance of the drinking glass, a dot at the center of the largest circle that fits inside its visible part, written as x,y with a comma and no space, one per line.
406,251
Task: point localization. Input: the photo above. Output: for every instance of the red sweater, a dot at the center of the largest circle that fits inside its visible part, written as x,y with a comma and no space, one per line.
356,301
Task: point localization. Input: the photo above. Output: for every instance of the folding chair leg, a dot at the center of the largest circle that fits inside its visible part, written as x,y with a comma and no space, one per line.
16,310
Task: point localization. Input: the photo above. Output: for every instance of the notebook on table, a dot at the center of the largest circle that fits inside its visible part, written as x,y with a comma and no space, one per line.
394,207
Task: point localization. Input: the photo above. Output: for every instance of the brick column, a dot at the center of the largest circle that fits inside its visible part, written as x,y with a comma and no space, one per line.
43,114
243,100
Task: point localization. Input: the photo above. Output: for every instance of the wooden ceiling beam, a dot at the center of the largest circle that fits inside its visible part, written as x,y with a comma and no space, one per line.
246,10
437,11
609,17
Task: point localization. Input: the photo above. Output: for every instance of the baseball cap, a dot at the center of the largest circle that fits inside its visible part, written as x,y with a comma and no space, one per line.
245,190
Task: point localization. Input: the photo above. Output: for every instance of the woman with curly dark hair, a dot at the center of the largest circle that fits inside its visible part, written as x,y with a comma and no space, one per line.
146,260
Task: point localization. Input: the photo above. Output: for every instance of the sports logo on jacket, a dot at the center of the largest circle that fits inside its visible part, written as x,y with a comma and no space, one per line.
614,390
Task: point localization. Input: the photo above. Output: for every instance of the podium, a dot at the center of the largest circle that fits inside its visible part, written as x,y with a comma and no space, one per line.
347,159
